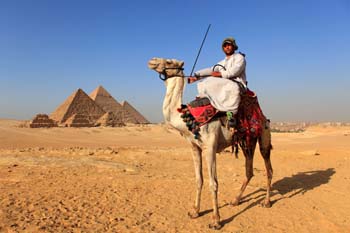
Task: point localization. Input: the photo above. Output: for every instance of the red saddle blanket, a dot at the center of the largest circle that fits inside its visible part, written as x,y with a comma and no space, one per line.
202,114
249,118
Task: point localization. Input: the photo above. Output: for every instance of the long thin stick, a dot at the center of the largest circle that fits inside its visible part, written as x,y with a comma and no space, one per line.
195,62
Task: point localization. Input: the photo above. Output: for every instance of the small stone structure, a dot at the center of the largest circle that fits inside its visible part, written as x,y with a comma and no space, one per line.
42,121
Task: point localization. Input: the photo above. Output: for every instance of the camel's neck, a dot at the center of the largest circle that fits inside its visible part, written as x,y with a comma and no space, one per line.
173,100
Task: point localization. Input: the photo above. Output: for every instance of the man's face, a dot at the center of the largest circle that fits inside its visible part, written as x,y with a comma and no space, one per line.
228,49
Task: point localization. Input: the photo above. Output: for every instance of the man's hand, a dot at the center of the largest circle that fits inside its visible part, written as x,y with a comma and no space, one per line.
216,74
192,79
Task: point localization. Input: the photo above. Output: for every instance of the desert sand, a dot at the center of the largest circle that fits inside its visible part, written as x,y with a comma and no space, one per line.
141,179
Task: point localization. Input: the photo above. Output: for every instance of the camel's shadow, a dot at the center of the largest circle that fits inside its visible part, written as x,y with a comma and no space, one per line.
302,182
287,187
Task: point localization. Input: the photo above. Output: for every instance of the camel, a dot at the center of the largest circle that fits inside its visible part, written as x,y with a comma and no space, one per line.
215,137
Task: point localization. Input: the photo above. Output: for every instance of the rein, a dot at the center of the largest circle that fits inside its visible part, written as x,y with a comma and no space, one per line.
163,75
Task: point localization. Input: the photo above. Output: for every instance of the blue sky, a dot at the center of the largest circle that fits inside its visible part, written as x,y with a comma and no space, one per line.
298,52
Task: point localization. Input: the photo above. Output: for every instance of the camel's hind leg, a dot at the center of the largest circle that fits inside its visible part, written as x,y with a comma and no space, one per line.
265,150
197,160
249,156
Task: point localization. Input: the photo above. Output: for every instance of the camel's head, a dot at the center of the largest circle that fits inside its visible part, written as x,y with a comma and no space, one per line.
167,67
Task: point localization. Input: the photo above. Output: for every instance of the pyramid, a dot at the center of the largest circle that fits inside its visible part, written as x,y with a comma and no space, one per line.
105,100
139,118
127,117
110,119
42,121
78,120
77,103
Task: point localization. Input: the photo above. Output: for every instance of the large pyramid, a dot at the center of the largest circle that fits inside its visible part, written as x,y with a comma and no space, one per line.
77,103
109,104
139,118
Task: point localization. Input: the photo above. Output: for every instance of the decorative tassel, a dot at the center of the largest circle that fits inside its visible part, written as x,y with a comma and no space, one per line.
190,121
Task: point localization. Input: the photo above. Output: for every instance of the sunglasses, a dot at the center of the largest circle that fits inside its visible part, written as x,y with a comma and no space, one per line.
227,44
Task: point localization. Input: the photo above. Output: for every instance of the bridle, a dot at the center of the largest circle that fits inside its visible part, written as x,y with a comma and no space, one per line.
163,75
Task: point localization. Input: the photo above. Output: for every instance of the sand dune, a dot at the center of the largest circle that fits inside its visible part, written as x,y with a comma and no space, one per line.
141,179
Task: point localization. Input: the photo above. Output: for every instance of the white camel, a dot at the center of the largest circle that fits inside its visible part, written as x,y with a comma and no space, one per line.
214,137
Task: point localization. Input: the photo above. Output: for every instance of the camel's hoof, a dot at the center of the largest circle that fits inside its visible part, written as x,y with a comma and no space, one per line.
215,226
235,202
266,204
193,215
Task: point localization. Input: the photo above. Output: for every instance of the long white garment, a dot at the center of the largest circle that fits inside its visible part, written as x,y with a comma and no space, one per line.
223,93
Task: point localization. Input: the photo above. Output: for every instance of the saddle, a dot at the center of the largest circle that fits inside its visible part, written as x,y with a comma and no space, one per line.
249,118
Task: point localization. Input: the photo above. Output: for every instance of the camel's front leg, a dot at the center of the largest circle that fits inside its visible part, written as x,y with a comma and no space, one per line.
197,159
213,185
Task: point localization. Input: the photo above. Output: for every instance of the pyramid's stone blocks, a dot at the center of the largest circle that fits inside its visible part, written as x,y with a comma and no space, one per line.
42,121
79,120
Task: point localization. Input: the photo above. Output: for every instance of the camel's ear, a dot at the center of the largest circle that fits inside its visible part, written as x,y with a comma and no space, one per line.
181,63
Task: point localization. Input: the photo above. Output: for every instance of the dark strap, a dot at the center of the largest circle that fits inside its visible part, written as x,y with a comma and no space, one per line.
242,88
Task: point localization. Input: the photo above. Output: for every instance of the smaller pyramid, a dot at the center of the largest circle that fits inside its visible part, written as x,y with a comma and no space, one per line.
110,119
77,103
136,115
42,121
127,117
78,120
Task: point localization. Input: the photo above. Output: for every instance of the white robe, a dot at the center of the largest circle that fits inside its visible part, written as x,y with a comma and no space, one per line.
223,93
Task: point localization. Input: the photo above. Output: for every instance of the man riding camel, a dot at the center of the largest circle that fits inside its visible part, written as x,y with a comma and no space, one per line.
222,83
